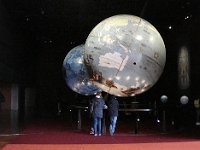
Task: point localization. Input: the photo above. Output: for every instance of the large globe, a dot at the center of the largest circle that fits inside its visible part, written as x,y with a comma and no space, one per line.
125,55
75,72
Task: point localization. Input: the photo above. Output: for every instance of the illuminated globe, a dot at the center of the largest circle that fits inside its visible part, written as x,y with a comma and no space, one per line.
184,100
163,98
75,72
125,55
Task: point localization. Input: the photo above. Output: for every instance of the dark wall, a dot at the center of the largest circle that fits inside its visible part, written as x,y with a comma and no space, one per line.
14,61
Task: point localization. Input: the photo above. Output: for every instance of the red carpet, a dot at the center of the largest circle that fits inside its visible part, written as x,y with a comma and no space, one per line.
60,133
58,136
72,137
141,146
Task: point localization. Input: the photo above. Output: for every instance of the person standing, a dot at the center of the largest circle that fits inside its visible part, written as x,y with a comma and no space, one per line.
98,104
113,108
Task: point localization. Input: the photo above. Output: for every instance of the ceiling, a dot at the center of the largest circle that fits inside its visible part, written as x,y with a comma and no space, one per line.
50,21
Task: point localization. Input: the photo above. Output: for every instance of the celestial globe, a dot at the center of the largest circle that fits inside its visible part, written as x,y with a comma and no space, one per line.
125,55
75,72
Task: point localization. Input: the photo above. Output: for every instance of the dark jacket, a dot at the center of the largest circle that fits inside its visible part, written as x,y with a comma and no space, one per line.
113,106
98,104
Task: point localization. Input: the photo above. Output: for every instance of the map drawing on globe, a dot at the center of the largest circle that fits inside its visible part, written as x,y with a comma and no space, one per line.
75,72
125,55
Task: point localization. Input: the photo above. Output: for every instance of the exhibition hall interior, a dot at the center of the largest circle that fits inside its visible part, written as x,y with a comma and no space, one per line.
55,55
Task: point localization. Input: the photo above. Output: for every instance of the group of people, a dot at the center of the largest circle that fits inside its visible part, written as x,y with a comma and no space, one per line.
97,105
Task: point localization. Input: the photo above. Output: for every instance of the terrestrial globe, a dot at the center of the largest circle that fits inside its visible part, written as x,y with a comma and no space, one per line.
125,55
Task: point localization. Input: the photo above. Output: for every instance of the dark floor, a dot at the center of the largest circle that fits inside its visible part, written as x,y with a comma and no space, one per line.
6,133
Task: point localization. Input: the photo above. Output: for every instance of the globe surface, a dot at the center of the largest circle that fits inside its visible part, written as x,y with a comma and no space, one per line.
75,72
125,55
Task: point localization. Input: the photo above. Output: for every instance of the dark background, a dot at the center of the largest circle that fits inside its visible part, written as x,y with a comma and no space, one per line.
36,35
